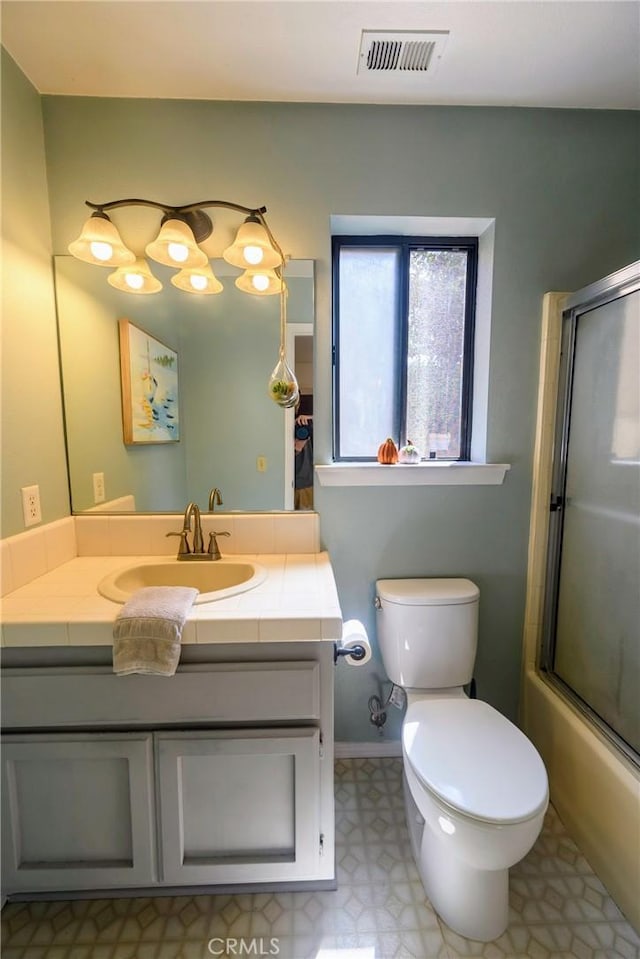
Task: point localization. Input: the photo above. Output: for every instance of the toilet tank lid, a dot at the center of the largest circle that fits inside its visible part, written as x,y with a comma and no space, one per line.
427,592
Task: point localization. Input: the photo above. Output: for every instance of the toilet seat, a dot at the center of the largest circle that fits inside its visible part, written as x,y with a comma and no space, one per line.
469,756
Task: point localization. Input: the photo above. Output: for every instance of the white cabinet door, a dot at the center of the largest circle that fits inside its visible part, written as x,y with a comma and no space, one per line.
239,806
77,811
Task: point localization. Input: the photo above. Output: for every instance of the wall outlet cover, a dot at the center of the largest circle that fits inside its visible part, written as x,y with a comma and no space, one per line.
31,505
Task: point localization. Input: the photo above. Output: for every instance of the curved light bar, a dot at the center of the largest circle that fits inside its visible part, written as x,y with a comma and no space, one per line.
182,228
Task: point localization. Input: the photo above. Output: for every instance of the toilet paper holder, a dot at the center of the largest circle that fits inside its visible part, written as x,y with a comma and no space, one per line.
356,652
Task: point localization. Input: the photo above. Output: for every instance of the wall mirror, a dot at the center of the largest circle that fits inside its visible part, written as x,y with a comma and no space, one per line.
232,436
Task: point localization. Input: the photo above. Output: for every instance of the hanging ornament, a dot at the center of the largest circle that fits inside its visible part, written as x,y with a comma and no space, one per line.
283,386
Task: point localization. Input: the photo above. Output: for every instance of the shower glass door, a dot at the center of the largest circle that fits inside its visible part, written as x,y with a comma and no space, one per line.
592,644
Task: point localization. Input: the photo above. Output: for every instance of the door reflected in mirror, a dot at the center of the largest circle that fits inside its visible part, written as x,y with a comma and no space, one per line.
232,436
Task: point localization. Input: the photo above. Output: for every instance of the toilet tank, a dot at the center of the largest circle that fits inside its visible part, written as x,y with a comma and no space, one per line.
427,631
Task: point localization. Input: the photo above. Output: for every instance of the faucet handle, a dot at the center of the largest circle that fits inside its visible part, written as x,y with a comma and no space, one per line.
214,549
183,548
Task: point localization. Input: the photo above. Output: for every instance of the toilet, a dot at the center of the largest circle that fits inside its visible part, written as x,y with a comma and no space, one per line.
475,787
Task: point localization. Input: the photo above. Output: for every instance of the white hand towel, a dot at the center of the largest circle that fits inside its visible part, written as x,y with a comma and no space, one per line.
148,630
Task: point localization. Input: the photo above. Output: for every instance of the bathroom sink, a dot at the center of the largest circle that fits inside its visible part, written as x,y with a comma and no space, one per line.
215,580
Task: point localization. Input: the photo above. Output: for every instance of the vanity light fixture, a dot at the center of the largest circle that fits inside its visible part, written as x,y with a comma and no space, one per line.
260,282
135,277
252,247
199,279
182,229
176,245
100,243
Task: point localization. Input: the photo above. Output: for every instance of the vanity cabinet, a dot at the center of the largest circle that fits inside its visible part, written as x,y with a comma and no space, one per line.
77,812
239,808
221,775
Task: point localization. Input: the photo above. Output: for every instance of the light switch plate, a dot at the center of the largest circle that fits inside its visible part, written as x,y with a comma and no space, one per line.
98,488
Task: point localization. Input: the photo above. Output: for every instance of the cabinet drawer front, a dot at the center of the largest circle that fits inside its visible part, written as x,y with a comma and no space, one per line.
77,812
214,694
239,807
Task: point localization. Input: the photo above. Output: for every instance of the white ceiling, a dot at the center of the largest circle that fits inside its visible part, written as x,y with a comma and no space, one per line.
554,53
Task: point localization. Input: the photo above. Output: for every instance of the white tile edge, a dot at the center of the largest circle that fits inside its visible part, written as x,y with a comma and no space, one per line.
39,534
347,750
268,532
418,474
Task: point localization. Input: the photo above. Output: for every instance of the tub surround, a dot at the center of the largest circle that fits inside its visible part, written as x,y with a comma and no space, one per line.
587,777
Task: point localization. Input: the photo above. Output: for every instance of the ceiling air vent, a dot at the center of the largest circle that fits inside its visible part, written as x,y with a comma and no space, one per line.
401,51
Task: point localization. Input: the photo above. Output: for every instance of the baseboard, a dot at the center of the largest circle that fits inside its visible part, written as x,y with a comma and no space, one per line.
391,749
133,892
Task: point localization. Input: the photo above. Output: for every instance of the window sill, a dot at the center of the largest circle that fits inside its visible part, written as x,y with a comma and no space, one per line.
415,474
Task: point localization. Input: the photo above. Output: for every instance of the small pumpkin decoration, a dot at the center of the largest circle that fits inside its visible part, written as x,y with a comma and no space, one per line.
409,453
388,452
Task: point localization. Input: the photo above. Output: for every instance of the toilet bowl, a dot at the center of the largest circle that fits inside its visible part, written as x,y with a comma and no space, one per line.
476,794
476,789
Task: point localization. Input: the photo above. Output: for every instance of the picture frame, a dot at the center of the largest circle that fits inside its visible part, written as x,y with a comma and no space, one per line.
149,382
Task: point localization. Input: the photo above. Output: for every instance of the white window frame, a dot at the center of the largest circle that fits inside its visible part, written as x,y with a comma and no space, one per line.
476,471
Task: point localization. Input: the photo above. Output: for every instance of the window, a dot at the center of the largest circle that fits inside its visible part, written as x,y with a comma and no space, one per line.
403,344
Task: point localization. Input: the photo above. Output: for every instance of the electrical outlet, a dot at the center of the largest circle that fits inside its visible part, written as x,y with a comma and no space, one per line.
31,505
98,487
261,464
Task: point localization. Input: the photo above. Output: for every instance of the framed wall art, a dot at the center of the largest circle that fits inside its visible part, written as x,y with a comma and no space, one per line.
149,377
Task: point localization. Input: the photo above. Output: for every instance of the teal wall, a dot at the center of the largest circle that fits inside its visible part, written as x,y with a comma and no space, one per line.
563,188
32,431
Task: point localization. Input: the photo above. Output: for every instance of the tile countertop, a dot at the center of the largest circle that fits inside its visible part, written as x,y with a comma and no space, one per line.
297,601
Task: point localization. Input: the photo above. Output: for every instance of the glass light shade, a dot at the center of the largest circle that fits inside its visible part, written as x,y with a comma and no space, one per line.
175,245
135,278
101,244
252,247
198,280
260,282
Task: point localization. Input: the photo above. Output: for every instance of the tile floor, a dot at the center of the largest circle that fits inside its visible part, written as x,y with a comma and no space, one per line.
559,908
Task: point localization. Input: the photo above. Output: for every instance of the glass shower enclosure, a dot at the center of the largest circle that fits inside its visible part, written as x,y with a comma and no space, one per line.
592,604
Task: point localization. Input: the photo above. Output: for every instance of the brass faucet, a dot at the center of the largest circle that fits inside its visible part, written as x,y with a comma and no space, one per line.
214,550
215,499
184,550
198,551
